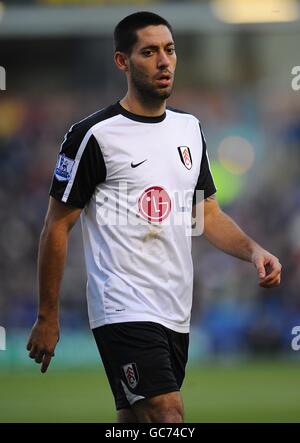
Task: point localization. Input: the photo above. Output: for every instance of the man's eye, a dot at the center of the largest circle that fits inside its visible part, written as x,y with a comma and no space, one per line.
147,53
171,50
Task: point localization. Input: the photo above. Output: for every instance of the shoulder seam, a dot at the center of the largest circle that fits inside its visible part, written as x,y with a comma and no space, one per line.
183,113
97,117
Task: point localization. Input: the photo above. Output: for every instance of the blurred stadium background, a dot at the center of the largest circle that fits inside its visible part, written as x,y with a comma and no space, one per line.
235,61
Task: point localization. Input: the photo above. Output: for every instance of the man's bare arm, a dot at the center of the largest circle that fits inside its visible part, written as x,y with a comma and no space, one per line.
51,261
221,231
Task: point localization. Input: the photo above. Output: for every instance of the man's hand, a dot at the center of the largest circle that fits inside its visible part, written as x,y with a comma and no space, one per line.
268,268
42,342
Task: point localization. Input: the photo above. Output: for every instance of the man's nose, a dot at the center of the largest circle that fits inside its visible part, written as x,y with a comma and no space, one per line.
163,60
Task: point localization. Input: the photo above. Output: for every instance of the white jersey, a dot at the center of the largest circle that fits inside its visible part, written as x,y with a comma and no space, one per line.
135,178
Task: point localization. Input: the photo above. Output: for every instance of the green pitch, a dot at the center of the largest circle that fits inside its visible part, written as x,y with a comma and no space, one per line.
249,392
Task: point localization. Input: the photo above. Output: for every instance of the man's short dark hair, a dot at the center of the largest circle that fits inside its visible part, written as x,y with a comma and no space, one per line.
125,32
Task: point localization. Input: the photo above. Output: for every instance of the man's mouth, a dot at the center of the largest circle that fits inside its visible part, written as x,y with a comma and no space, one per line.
164,79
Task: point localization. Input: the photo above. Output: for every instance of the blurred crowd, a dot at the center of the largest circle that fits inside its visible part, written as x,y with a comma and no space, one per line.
231,312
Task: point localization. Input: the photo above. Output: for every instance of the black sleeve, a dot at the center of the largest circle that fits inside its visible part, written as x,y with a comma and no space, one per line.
80,167
205,180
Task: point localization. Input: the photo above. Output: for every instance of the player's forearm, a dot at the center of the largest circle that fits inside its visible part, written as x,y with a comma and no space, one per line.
51,262
221,231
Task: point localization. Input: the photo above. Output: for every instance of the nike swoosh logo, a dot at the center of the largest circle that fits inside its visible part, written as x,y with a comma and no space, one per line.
137,164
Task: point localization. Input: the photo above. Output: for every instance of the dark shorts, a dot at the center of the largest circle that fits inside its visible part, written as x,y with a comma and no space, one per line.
141,359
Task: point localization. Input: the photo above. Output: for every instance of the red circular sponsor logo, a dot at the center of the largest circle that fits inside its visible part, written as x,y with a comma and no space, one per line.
154,204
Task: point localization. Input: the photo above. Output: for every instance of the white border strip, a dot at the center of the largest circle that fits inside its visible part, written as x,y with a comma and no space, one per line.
76,164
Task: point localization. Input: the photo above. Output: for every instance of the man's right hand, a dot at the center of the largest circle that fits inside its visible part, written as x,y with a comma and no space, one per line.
42,342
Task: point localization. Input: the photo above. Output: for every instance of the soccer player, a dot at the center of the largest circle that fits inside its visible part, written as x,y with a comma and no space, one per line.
129,171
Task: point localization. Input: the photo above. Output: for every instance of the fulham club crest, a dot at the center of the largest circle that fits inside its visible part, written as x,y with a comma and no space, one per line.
185,156
131,374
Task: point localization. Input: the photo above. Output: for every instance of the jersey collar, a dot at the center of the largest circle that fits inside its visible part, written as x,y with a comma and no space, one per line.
140,118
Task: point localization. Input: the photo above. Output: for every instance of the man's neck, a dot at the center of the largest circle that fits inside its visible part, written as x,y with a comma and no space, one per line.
138,107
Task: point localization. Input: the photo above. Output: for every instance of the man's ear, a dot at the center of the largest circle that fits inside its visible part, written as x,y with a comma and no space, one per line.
121,60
